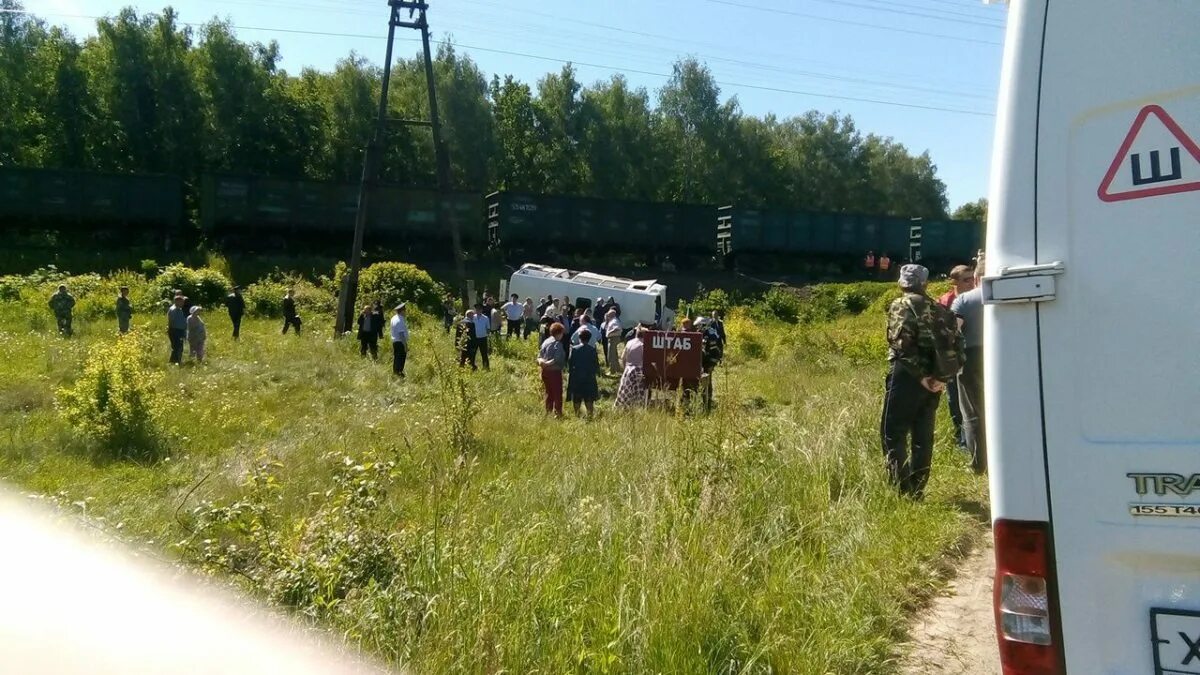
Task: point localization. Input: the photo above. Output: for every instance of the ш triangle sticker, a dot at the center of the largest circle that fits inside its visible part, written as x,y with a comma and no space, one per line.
1157,158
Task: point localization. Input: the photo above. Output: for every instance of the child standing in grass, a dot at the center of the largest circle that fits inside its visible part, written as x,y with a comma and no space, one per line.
197,334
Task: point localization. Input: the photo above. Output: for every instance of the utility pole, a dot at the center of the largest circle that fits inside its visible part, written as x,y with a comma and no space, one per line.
442,157
347,297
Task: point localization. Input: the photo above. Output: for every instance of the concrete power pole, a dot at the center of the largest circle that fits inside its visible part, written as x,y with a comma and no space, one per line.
347,296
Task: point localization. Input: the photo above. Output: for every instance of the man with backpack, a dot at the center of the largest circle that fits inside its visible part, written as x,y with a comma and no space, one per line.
925,351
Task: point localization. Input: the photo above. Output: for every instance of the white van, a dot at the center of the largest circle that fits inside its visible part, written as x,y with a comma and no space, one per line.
641,301
1092,333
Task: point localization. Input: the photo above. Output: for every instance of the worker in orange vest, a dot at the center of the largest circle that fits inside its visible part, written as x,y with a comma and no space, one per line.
885,263
869,262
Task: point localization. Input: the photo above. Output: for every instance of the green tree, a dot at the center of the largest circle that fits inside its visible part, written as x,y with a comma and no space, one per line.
976,211
619,142
516,165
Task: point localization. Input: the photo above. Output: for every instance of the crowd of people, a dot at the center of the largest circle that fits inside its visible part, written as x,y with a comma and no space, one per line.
934,346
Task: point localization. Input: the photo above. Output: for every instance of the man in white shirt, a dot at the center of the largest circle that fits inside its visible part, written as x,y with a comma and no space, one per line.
514,312
612,333
585,324
399,341
480,344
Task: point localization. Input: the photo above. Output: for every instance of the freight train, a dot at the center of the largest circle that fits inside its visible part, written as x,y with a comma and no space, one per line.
265,213
127,207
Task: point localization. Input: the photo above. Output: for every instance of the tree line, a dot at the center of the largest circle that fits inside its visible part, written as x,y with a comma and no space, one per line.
149,94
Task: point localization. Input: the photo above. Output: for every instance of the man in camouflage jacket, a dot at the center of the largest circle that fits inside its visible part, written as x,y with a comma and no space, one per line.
911,398
62,303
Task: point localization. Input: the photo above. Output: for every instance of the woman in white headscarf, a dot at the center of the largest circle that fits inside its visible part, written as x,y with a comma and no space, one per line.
197,334
632,391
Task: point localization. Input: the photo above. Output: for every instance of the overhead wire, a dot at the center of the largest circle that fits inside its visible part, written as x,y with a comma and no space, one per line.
848,22
886,6
609,67
753,65
658,36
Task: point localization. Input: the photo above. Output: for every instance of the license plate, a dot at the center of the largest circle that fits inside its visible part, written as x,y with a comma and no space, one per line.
1175,634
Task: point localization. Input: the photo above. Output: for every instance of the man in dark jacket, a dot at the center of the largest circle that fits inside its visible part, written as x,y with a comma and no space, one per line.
124,309
177,318
290,318
62,303
368,336
236,305
377,319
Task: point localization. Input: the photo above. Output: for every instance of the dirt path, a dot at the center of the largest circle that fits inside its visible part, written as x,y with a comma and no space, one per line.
956,634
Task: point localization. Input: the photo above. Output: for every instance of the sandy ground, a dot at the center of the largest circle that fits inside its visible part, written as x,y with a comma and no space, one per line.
957,633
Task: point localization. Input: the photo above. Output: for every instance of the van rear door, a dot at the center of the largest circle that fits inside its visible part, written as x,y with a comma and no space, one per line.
1118,202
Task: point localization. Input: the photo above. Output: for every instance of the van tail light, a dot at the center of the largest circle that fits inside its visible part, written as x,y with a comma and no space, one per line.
1025,599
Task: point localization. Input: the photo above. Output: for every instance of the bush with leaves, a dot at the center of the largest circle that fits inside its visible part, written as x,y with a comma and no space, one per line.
708,301
394,282
265,297
778,304
745,337
117,402
204,286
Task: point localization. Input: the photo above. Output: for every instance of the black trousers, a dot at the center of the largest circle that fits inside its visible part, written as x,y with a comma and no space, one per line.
399,356
64,324
291,321
177,335
955,411
478,345
123,323
371,345
236,319
514,328
970,400
909,410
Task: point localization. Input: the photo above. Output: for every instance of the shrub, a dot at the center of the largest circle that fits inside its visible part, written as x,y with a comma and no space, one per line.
218,262
99,299
779,303
265,297
149,267
204,286
10,287
116,402
394,282
744,335
716,299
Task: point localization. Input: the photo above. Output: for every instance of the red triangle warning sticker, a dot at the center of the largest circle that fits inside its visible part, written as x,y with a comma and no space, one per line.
1157,158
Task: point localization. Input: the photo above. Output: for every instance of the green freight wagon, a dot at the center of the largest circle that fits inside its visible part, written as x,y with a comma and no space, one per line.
127,206
255,206
521,220
950,242
843,238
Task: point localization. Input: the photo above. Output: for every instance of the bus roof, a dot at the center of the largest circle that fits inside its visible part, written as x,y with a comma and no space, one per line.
588,278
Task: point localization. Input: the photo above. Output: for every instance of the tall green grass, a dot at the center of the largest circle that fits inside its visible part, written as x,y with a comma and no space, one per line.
443,523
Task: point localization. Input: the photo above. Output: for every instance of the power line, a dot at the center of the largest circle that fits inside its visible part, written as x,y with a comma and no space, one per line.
889,7
753,64
848,22
296,31
782,70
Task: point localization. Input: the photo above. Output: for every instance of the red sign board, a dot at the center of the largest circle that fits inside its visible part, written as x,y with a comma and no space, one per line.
671,357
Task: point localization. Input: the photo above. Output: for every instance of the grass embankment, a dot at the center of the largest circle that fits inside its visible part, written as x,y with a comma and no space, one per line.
443,523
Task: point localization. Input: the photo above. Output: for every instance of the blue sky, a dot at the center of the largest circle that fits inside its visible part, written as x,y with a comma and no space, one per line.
780,56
